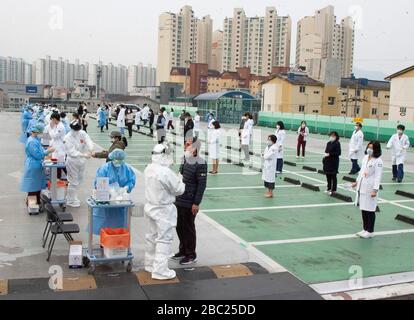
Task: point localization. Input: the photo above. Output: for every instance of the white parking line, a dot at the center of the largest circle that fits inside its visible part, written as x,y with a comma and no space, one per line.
316,239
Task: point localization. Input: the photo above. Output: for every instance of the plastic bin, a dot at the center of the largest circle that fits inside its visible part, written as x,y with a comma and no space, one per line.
61,190
115,242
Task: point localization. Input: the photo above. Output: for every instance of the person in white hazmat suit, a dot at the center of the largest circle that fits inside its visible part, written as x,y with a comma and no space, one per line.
57,133
356,148
399,144
78,148
162,186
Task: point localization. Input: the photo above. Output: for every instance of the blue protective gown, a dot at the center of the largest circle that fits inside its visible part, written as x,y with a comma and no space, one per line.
34,179
102,117
113,218
26,118
65,123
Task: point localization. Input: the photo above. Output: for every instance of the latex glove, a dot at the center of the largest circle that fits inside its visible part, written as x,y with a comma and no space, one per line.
86,155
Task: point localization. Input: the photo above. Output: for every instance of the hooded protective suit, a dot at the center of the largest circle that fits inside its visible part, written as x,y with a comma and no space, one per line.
78,146
26,117
162,186
122,175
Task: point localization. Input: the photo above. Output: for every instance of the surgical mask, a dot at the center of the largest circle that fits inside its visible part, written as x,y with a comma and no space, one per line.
188,154
278,127
332,139
270,143
303,126
400,132
370,152
112,140
356,128
118,163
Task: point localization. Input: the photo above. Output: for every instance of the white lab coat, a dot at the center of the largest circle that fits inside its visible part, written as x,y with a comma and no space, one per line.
245,136
120,122
281,137
369,180
214,144
57,134
249,126
399,148
145,113
138,118
269,164
162,186
356,145
306,133
197,120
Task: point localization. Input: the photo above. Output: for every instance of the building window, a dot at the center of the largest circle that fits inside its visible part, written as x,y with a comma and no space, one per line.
387,97
403,110
302,108
374,111
302,89
331,101
376,93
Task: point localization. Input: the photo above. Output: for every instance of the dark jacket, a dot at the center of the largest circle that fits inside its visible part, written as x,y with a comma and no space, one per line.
195,180
188,128
104,154
331,163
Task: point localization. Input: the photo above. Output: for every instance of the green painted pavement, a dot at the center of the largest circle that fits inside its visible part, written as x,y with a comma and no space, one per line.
326,261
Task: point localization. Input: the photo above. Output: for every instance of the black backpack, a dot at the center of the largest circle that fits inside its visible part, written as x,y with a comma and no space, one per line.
125,141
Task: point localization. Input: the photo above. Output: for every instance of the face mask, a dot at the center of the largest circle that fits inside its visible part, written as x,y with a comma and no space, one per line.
188,154
270,143
118,163
370,152
400,132
332,139
278,127
303,126
356,128
112,140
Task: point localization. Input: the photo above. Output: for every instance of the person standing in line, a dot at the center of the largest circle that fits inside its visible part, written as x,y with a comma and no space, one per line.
356,148
116,143
281,137
108,117
399,143
303,133
160,126
102,120
120,121
214,146
368,186
182,119
162,186
145,114
194,172
331,162
151,119
129,121
241,128
269,166
197,121
85,120
138,116
245,142
171,120
188,127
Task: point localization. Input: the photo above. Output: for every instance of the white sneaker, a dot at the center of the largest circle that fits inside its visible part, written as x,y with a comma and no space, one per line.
297,157
359,234
73,204
278,172
367,235
328,191
167,276
303,158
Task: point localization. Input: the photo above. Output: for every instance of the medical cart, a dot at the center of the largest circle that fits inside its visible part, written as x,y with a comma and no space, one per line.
51,170
95,256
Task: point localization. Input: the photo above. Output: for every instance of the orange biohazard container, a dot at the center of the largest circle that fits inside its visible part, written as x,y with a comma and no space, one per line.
116,242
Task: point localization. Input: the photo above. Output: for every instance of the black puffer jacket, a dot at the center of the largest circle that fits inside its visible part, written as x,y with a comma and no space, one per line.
331,163
195,180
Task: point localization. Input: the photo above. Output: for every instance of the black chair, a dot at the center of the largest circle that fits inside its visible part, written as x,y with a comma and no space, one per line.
58,227
64,217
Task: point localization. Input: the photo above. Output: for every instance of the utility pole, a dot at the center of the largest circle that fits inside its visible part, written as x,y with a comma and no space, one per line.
98,81
356,101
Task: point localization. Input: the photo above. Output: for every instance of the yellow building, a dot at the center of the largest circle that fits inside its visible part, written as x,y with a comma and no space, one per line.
298,93
295,93
402,95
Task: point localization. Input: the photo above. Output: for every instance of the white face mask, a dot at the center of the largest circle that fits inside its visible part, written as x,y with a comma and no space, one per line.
332,139
270,143
356,128
370,152
188,154
278,127
400,132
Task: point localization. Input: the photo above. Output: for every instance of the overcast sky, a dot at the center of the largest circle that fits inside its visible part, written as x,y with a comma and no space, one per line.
125,31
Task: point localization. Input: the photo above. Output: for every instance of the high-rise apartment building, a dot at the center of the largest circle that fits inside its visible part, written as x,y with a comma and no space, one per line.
141,76
256,42
12,70
182,38
217,51
320,37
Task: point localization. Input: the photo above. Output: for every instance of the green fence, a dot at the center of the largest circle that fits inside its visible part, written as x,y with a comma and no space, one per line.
179,109
373,129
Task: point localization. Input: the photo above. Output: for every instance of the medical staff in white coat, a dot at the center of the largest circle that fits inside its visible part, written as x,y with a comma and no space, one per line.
367,186
356,148
245,142
281,137
145,114
399,144
269,165
120,121
197,121
214,146
138,116
57,133
79,148
162,186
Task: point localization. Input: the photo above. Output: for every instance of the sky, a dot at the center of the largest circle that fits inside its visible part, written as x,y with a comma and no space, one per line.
125,31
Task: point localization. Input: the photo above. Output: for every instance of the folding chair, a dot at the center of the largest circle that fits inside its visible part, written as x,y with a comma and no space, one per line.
64,217
58,227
